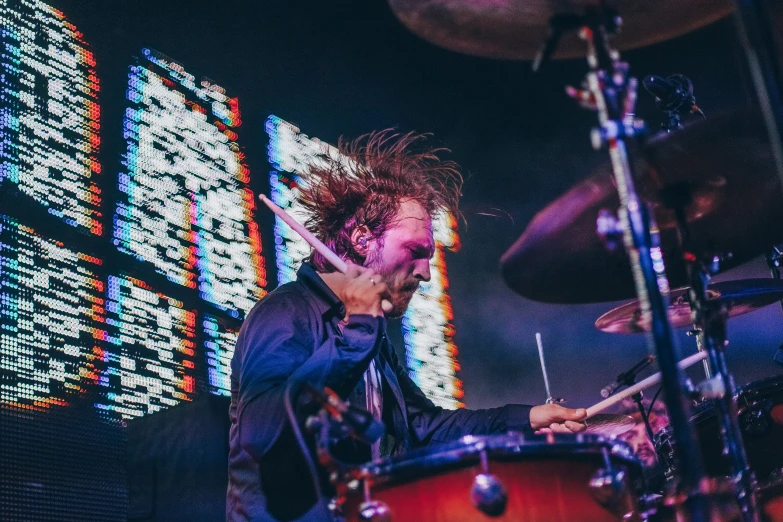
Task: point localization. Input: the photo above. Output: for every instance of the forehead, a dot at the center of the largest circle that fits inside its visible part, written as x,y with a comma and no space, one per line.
412,223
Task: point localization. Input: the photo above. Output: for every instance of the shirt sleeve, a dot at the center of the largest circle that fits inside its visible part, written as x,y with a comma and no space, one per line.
429,423
277,347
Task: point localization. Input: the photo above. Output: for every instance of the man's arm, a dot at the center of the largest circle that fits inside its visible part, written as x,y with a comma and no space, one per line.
430,423
277,347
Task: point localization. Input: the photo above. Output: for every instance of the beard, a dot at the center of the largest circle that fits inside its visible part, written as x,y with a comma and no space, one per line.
401,294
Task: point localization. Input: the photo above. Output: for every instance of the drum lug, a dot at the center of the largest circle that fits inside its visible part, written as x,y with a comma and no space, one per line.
609,489
374,511
488,493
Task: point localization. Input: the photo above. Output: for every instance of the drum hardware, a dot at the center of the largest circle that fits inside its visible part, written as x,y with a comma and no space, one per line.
373,510
614,95
759,38
674,96
709,316
774,260
609,488
488,493
737,297
549,398
697,333
735,207
513,30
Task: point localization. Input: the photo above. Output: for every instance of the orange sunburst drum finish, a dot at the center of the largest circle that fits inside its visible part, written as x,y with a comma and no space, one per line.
570,478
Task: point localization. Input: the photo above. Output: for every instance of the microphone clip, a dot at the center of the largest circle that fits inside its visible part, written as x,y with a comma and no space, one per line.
674,96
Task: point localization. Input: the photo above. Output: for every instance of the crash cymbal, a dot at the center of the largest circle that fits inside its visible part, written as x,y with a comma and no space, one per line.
516,29
739,297
609,424
725,161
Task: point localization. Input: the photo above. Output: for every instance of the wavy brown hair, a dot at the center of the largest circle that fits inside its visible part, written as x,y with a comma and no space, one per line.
366,183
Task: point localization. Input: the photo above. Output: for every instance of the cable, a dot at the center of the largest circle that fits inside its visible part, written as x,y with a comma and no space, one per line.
289,409
652,402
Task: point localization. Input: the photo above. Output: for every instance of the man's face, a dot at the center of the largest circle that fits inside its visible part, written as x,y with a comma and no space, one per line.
640,444
402,257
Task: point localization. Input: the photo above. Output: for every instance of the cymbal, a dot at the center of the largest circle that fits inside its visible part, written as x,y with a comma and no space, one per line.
609,424
739,297
516,29
725,161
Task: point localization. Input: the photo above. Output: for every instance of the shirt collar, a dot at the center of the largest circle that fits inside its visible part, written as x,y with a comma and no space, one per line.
327,302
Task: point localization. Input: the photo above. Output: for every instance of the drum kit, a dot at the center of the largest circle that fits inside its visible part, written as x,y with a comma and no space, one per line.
704,197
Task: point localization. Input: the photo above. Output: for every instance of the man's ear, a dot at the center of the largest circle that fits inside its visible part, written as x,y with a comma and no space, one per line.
360,240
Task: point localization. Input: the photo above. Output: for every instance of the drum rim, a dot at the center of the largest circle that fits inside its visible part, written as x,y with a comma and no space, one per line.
468,449
747,396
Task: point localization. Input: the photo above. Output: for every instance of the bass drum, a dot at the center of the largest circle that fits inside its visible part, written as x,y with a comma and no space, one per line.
504,477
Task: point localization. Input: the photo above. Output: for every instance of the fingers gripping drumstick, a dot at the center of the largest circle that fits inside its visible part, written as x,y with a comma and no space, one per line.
316,243
641,385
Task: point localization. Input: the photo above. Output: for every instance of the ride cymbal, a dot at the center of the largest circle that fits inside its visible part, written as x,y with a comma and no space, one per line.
724,162
516,29
739,297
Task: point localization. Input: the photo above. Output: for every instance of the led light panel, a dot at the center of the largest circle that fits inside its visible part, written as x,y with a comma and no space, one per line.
49,115
51,320
185,205
220,340
150,350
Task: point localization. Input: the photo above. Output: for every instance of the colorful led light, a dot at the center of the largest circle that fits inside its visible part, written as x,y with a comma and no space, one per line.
51,319
185,204
49,113
150,350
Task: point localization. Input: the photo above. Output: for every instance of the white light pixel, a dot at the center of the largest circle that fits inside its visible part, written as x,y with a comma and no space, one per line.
220,341
51,319
187,209
151,349
49,115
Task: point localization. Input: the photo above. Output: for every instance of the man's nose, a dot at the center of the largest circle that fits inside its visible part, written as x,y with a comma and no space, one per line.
422,270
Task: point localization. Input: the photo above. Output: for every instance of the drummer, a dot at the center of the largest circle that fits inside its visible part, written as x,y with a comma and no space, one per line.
374,207
637,438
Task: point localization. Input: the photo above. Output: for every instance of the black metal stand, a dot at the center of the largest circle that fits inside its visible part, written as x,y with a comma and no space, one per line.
710,320
760,41
613,93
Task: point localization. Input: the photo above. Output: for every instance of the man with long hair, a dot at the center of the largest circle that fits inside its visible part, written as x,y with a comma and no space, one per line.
373,205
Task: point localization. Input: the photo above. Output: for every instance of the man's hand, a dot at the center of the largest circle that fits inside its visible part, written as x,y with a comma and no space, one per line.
553,418
364,292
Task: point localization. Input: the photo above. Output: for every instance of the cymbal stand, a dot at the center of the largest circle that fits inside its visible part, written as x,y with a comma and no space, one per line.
710,318
612,93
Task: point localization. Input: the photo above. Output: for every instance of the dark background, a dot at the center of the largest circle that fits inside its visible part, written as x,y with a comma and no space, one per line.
343,68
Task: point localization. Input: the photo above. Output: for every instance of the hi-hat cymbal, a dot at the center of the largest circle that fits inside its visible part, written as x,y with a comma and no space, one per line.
609,424
739,297
516,29
726,161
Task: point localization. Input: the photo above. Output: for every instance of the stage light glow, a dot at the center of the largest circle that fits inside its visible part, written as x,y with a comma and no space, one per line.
219,343
427,329
186,207
150,354
49,113
51,320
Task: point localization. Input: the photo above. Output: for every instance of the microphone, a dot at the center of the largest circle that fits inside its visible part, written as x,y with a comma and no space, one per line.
674,93
358,423
626,378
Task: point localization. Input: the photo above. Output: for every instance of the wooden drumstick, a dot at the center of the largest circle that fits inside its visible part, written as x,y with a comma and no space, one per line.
652,380
316,243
